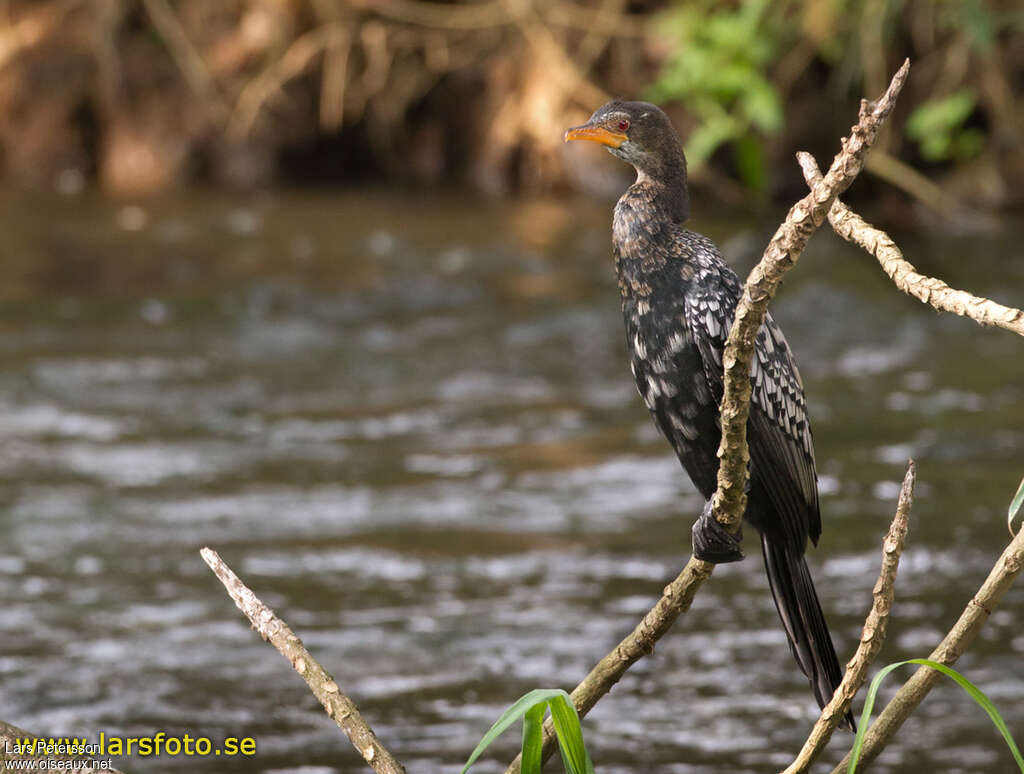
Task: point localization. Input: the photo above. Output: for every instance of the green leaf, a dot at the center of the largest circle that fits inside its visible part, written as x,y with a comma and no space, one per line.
762,105
531,708
705,139
973,691
1015,504
570,736
937,125
941,114
510,716
533,739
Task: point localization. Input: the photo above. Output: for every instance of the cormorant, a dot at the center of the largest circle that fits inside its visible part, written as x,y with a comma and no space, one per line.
678,299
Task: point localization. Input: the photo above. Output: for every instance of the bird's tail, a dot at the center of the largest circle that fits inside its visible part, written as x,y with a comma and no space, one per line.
800,611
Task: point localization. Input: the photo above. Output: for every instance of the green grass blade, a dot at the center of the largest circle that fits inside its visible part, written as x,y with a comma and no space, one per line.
533,738
972,690
1015,505
570,736
510,716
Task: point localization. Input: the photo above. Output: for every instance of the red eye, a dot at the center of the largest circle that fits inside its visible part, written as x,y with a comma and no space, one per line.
623,125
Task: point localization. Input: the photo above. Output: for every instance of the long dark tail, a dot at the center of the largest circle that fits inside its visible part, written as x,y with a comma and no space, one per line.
800,611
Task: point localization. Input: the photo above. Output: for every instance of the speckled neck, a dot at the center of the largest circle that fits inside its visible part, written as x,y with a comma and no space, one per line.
642,230
666,187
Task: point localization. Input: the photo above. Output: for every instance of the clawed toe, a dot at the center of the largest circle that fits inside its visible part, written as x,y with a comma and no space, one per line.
714,543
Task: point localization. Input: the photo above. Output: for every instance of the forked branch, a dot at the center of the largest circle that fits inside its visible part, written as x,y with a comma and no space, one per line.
929,290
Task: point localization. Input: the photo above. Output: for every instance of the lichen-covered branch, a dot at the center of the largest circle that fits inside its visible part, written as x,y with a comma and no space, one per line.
851,227
872,636
785,247
953,645
730,500
337,705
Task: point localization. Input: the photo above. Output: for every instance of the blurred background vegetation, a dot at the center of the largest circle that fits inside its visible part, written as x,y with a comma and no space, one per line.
143,95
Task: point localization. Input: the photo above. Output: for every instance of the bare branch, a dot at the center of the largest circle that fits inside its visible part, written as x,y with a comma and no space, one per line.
335,702
851,227
872,636
730,499
953,645
779,257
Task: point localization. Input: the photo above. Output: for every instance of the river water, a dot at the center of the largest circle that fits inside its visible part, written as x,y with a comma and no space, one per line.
409,424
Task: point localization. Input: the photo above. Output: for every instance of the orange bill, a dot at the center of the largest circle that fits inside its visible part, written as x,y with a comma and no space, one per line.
596,134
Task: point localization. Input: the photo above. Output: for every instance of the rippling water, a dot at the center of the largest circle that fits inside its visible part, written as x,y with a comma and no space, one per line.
410,425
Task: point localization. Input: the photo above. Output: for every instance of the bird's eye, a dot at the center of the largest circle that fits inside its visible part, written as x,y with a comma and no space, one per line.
623,125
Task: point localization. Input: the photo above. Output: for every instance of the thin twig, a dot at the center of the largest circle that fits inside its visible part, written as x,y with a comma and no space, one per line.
730,499
929,290
277,633
872,636
780,255
953,645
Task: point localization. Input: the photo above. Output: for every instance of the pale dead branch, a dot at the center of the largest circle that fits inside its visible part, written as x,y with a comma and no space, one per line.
337,705
873,634
851,227
953,645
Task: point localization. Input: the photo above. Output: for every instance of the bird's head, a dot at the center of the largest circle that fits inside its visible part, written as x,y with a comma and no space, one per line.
641,133
637,132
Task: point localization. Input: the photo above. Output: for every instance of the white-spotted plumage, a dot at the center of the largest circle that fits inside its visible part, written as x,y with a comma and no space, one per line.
678,298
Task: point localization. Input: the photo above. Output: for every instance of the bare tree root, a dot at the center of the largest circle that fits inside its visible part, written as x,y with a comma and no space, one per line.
873,634
337,705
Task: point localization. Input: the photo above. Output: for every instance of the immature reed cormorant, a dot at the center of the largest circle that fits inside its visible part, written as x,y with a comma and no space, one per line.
678,298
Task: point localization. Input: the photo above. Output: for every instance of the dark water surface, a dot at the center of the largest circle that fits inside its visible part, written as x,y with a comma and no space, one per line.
409,424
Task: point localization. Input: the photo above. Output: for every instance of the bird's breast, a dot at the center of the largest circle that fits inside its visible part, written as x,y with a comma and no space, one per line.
666,363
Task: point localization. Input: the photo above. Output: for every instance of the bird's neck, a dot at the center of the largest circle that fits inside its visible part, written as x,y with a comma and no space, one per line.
644,231
665,186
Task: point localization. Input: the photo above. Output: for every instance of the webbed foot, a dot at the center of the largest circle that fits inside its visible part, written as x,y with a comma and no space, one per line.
714,543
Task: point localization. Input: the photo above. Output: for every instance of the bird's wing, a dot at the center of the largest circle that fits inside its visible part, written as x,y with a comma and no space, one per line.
778,432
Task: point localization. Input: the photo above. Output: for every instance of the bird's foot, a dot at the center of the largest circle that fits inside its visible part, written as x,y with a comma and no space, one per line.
714,543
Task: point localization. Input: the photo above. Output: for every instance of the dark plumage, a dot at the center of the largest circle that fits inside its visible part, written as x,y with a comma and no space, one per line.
678,299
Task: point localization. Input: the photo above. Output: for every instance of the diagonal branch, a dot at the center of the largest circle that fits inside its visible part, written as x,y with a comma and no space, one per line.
853,228
872,637
730,500
277,633
953,645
